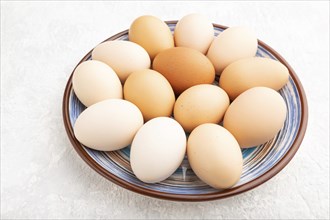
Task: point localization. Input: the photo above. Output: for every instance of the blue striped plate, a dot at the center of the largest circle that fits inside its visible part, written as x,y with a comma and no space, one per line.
260,163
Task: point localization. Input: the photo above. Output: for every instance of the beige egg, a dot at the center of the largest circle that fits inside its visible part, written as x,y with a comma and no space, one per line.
152,34
184,67
232,44
215,156
108,125
200,104
124,57
150,92
94,81
194,31
247,73
255,116
157,149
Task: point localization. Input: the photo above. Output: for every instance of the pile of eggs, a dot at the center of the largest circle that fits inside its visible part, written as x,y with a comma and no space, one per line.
157,92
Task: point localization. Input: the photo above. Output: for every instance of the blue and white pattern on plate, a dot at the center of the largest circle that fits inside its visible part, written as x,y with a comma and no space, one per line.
257,160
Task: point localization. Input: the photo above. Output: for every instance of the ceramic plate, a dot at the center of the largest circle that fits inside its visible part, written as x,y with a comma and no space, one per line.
260,163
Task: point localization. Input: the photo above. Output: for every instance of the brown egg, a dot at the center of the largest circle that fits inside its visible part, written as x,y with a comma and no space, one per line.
150,92
255,116
251,72
184,67
215,156
152,34
200,104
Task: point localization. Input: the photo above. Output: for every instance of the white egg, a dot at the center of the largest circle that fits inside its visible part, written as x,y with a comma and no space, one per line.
232,44
194,31
108,125
94,81
157,149
124,57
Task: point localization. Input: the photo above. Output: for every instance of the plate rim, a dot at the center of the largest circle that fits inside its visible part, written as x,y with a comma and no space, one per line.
191,197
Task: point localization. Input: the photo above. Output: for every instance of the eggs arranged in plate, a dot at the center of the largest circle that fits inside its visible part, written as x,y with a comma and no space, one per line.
157,92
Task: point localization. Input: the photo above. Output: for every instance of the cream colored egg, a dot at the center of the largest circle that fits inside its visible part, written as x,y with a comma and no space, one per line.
232,44
194,31
247,73
108,125
157,149
150,92
255,116
94,81
152,34
124,57
215,156
200,104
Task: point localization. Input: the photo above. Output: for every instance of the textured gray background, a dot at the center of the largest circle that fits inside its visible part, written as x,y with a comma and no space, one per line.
43,177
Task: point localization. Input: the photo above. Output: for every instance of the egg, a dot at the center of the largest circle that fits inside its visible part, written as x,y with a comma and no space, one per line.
184,67
200,104
215,156
108,125
247,73
255,116
194,31
157,149
152,34
94,81
232,44
118,54
150,92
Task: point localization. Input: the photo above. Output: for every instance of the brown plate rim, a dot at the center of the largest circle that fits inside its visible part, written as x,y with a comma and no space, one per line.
191,197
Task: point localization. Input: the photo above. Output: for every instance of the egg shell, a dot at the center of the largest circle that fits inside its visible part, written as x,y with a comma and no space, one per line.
232,44
200,104
255,116
150,92
247,73
194,31
157,149
108,125
152,34
118,54
94,81
184,67
215,156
